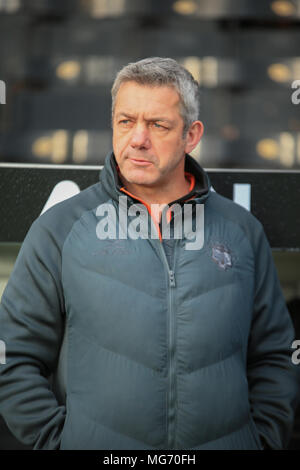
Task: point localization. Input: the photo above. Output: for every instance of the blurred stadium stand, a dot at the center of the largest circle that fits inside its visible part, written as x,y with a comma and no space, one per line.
59,58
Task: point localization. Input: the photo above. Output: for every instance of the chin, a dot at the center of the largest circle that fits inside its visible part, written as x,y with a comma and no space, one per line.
142,181
139,177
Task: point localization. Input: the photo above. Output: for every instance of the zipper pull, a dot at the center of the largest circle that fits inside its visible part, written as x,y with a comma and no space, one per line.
172,278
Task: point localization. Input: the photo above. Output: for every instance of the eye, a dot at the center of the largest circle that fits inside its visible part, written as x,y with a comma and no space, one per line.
159,126
124,123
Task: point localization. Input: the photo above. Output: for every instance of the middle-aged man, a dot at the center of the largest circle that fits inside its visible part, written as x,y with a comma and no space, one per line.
178,340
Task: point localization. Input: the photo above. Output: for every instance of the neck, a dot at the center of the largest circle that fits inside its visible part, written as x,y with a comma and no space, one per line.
170,191
158,197
172,187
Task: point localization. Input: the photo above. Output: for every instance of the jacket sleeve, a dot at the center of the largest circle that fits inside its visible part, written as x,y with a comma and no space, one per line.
272,377
31,326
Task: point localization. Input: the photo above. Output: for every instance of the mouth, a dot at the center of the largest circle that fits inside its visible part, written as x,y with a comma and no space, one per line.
140,162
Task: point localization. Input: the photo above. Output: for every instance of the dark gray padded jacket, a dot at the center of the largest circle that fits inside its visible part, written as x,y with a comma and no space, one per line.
150,345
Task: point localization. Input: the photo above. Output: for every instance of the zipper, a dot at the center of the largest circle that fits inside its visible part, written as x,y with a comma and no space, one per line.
171,398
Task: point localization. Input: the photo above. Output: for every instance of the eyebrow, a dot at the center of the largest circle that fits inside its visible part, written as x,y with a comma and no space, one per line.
153,119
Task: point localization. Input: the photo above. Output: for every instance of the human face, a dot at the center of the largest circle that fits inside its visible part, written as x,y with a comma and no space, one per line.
148,138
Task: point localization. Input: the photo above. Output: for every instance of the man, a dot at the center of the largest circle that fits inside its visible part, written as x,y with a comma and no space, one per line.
168,342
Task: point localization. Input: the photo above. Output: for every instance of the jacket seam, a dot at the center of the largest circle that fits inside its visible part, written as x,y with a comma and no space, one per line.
213,363
100,346
126,285
108,427
225,434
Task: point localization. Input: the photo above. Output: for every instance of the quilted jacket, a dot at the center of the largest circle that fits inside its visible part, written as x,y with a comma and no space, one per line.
144,343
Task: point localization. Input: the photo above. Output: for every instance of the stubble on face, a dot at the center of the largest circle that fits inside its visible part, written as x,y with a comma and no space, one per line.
158,147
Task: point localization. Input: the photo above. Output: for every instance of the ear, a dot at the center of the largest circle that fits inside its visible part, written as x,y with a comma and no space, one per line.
193,135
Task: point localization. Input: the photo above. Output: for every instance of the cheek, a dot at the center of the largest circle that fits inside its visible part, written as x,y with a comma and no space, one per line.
168,148
119,143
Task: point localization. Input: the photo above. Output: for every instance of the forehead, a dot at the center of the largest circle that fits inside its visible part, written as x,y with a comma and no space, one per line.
135,98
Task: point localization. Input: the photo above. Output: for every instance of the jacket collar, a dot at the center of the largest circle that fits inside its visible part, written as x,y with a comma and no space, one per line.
112,183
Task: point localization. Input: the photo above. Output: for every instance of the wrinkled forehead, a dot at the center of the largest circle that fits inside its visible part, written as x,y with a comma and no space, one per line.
133,97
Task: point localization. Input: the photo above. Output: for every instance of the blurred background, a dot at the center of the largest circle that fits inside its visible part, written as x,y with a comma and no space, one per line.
59,59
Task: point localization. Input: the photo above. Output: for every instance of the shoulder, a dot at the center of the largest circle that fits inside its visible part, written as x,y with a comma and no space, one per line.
231,210
232,213
57,221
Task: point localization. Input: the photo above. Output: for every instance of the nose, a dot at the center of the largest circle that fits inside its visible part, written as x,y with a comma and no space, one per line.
140,137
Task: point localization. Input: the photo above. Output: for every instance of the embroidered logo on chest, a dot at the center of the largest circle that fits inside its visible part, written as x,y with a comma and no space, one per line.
221,255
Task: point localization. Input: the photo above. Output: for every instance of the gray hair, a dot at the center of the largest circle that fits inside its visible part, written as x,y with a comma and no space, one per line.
158,71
